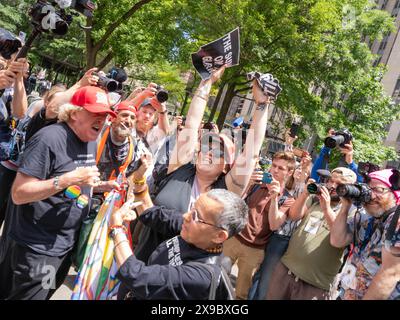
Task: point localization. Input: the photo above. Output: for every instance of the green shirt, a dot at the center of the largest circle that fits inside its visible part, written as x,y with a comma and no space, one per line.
310,255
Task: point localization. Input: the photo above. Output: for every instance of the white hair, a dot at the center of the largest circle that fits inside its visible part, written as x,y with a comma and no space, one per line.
234,216
65,111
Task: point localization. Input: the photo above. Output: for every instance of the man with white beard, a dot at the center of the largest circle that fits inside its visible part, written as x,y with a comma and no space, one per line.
372,270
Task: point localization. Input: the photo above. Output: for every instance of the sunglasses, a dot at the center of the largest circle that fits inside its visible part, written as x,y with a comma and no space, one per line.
195,218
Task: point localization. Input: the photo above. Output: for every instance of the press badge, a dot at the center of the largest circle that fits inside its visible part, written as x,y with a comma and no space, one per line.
313,225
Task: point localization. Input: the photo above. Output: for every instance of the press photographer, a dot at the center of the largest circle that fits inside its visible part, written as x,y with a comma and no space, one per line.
342,140
372,270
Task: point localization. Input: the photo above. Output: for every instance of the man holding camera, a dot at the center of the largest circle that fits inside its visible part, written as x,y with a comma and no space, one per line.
311,263
343,141
269,206
149,105
372,270
52,193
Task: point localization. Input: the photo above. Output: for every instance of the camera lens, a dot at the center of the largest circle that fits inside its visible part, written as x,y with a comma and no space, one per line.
162,95
313,188
332,142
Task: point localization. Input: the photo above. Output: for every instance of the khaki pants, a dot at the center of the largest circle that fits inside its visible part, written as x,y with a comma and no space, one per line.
284,285
248,260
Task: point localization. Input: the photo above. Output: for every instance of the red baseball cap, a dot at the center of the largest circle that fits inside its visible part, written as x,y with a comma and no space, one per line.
125,105
93,99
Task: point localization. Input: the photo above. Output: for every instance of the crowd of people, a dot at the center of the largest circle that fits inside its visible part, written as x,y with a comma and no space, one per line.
196,202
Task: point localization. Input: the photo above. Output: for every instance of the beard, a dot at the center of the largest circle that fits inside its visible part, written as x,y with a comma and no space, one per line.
122,131
377,209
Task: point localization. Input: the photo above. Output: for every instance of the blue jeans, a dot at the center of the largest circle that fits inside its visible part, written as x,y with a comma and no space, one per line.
274,250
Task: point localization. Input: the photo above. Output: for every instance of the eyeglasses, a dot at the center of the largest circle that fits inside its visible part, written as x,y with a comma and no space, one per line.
216,153
380,190
195,217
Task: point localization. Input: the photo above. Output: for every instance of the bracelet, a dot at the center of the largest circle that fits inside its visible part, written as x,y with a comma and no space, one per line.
116,245
163,112
114,230
140,182
56,182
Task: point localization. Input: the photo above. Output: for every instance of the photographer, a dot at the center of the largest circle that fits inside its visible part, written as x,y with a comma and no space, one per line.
13,106
322,161
52,193
188,264
269,206
372,270
310,262
153,135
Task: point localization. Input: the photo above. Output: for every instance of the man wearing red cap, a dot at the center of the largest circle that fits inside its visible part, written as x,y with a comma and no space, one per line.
372,270
52,193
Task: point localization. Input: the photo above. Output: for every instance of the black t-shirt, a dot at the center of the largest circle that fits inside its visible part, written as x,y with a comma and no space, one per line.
51,226
37,122
168,274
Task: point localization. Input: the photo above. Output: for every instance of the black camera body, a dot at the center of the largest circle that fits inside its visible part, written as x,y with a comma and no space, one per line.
340,138
358,193
162,94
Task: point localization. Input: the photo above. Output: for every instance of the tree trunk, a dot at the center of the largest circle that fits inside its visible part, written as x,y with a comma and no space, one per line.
216,102
230,93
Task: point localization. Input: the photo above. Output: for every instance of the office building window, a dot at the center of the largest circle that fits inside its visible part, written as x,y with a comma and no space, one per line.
396,92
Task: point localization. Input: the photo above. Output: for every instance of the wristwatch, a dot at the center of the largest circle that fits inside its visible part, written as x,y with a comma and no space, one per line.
163,112
56,183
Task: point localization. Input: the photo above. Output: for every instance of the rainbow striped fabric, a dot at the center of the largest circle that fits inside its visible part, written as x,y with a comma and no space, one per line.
96,279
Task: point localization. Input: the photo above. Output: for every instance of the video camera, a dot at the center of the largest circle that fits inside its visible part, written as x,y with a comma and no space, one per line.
45,16
113,80
340,138
358,193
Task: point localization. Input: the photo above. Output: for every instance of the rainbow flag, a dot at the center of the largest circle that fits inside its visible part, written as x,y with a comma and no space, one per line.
96,279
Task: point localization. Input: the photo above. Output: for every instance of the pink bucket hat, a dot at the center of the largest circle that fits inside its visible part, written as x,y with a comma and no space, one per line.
383,176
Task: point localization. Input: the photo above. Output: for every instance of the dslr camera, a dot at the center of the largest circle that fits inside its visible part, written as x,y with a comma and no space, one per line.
9,43
358,193
315,188
113,80
340,138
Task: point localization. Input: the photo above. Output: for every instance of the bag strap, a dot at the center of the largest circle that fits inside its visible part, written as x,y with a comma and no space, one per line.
214,279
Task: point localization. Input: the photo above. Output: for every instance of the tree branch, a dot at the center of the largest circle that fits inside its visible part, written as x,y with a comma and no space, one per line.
123,19
106,60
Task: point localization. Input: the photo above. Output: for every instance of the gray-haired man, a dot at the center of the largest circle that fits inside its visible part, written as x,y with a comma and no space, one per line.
178,269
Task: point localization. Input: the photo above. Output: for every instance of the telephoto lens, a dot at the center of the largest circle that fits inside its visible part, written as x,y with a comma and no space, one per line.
359,193
107,84
314,188
332,142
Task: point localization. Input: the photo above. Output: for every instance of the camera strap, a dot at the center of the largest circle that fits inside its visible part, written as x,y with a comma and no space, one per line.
391,231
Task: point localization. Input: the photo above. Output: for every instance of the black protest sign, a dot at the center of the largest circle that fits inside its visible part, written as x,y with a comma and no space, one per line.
225,50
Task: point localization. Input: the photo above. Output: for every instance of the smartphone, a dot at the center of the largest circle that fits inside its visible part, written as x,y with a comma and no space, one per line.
294,128
267,178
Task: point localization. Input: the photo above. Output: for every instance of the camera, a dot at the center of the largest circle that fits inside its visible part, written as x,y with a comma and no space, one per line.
9,43
264,163
358,193
315,188
340,138
113,80
162,94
